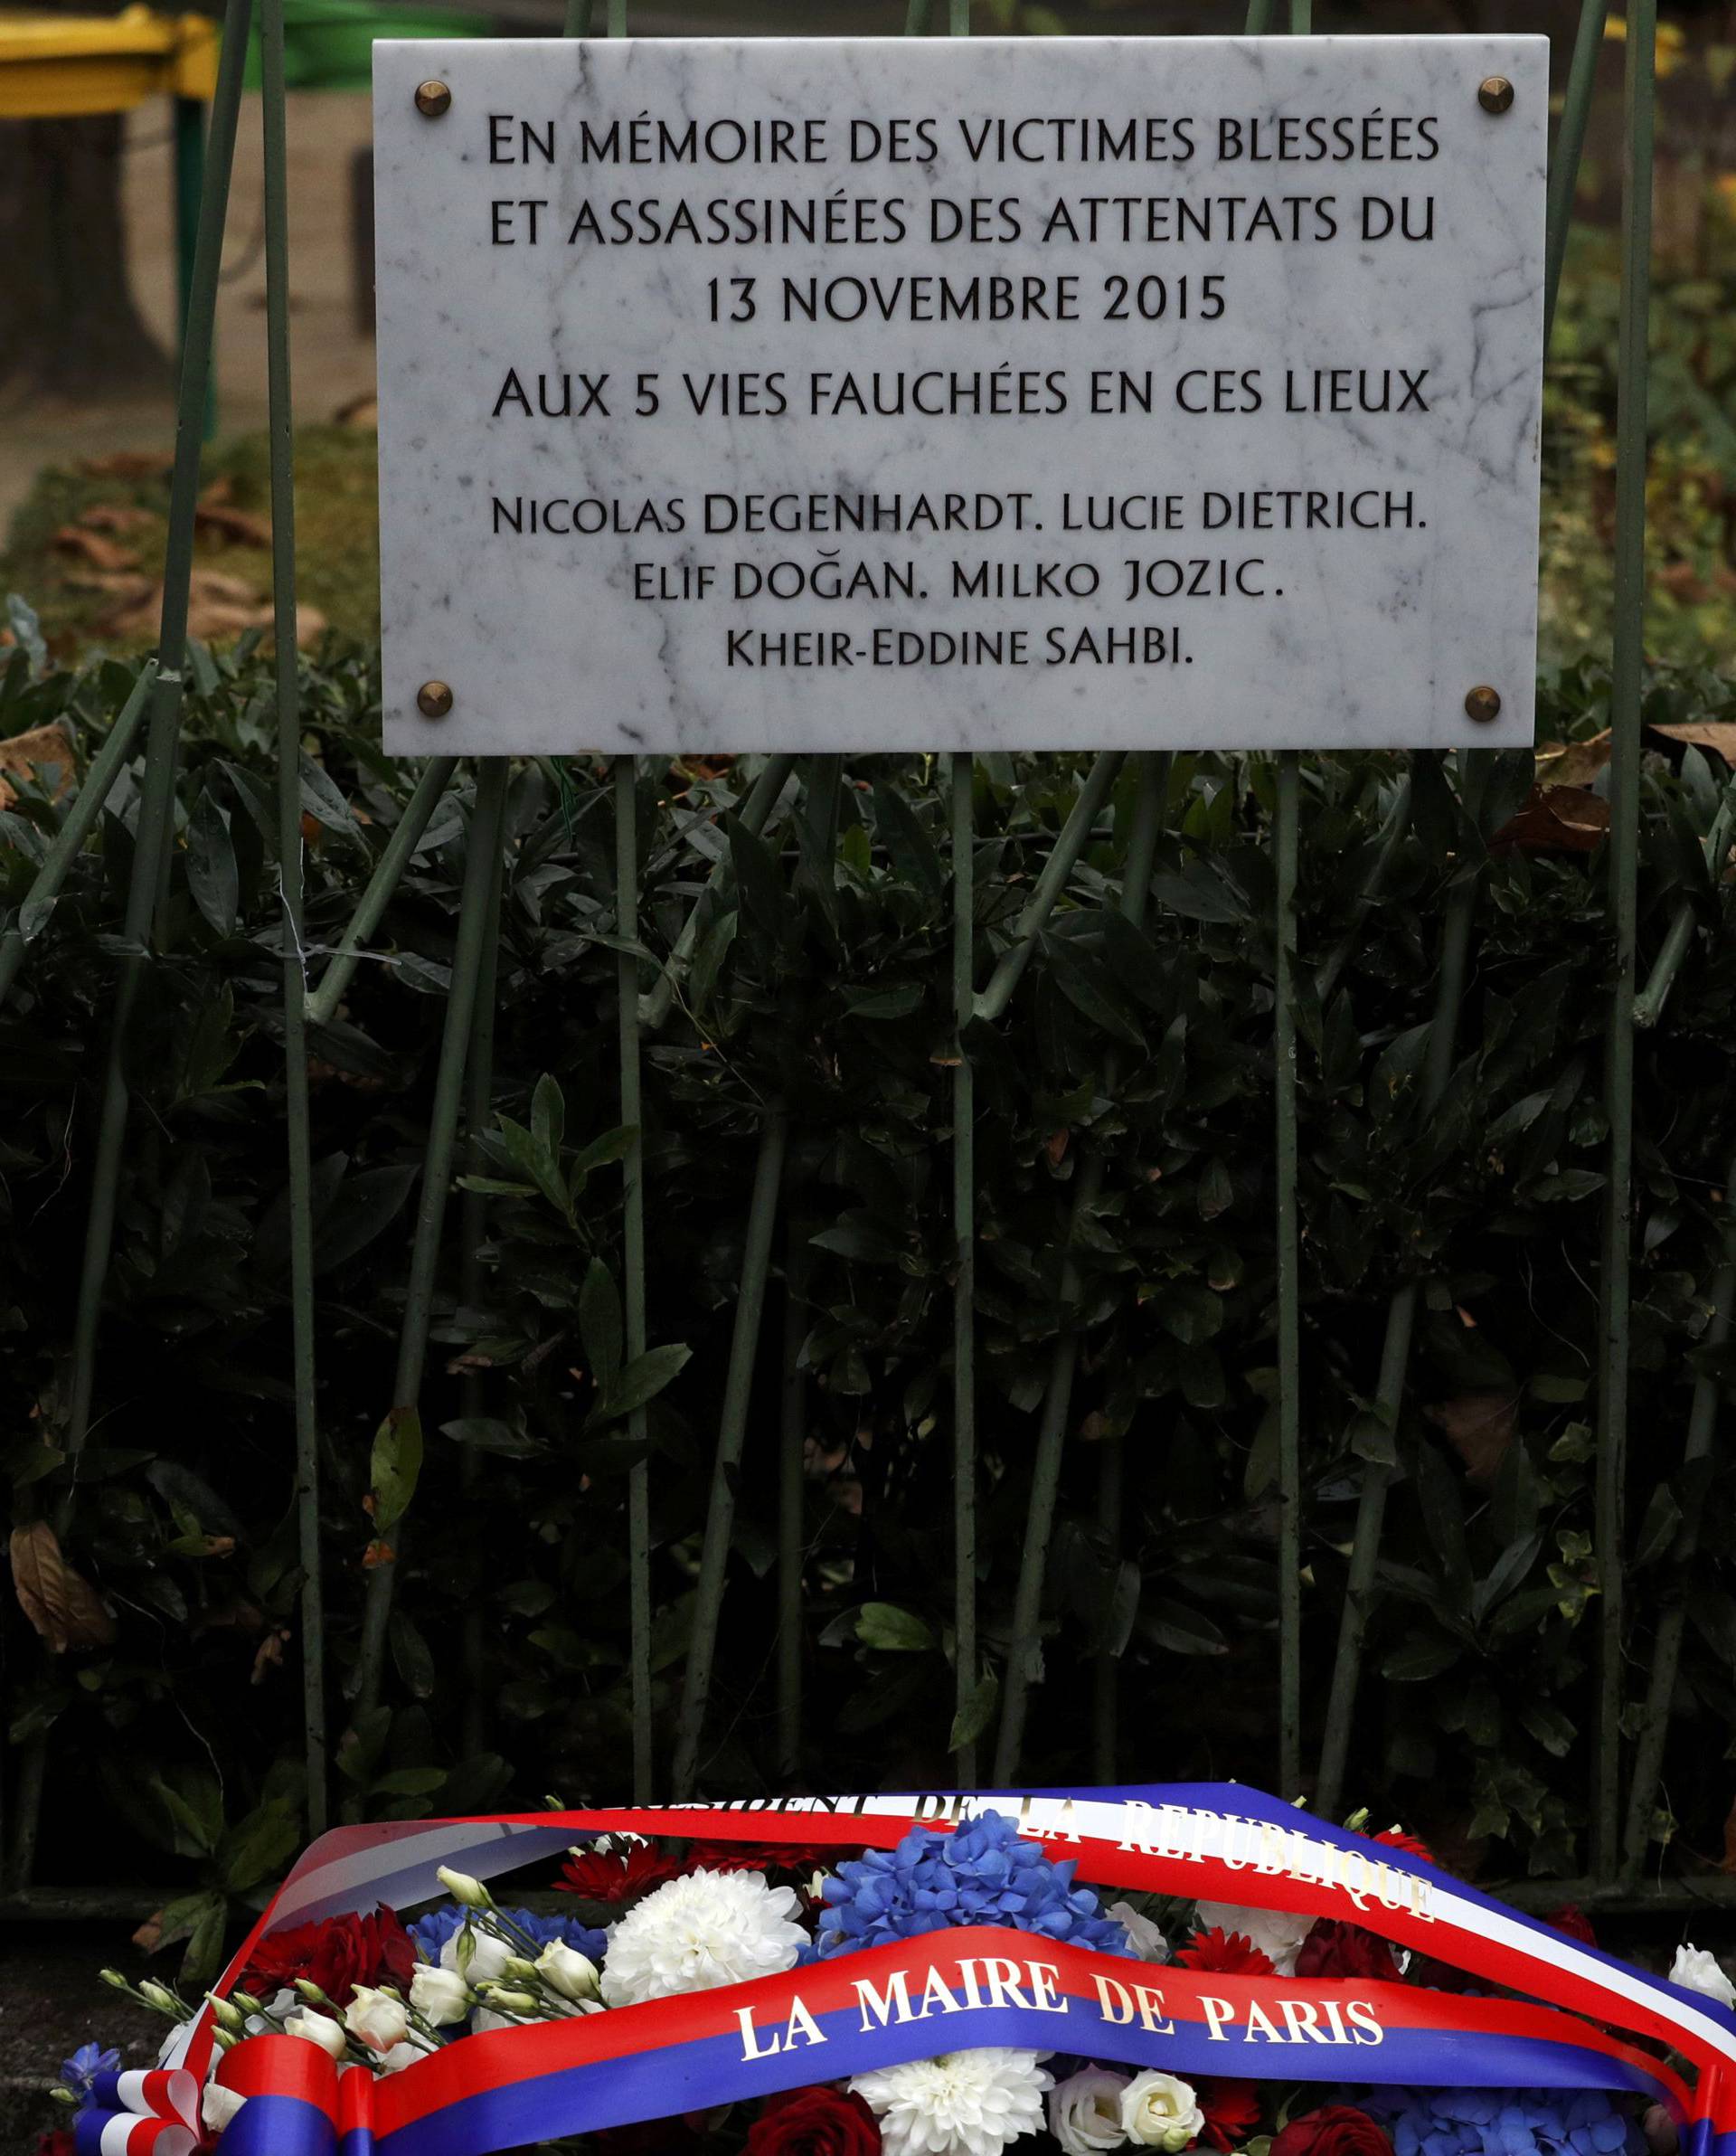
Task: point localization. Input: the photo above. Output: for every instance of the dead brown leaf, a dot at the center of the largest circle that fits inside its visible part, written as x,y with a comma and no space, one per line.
1572,763
1719,735
148,1937
118,516
361,413
123,584
1554,819
219,606
1056,1147
1479,1428
62,1605
127,463
92,547
270,1654
230,527
44,750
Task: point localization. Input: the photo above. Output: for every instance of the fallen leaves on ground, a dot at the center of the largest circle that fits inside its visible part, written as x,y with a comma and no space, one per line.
219,606
45,749
128,463
1554,819
1719,735
118,516
1479,1428
62,1605
92,547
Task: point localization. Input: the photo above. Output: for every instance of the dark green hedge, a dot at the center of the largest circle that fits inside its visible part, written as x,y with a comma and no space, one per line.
826,987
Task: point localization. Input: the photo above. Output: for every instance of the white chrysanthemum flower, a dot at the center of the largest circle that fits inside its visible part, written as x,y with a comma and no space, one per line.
705,1929
1697,1969
961,2103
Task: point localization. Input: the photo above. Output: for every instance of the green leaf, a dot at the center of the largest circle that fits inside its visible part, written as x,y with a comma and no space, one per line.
212,877
396,1465
548,1119
758,879
914,861
1420,1656
488,1435
976,1713
884,1625
363,1207
260,1846
600,1325
640,1380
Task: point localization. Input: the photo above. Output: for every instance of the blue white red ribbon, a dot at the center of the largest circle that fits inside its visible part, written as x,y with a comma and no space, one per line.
138,2113
1210,1842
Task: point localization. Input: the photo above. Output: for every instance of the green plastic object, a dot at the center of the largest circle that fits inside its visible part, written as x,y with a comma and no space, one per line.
328,44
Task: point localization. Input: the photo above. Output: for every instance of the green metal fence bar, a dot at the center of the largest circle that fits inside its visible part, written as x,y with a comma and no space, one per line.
1025,1647
382,884
1626,669
625,783
1570,143
482,861
155,820
1451,969
719,1512
76,825
792,1483
1648,1005
1393,832
967,1674
1666,1646
1288,1285
297,1116
754,813
1454,948
1063,858
473,1228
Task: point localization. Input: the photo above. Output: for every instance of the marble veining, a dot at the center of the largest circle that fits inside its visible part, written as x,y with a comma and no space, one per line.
1010,630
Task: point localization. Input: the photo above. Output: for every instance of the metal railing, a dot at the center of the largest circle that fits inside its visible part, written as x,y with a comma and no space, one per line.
1619,1839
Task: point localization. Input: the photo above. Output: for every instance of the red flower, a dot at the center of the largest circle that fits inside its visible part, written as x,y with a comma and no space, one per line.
1333,1949
1232,2112
56,2141
615,1876
1336,2130
1227,1953
815,2122
337,1954
1395,1837
1572,1920
763,1856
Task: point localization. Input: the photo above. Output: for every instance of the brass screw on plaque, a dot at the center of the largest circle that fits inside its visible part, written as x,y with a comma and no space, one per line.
1494,93
434,699
432,98
1482,704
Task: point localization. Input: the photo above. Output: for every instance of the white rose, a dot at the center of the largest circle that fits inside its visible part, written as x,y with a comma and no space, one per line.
1145,1937
566,1971
1277,1933
1697,1969
1085,2112
401,2056
440,1996
1160,2112
488,1957
376,2019
318,2028
217,2106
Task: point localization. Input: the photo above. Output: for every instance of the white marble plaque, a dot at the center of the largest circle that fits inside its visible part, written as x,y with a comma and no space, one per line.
929,393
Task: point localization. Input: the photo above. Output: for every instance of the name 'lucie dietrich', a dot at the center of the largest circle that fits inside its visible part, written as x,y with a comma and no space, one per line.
834,513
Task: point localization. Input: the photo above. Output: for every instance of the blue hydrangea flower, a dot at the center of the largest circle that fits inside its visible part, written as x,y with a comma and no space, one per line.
1458,2122
431,1931
79,2072
982,1873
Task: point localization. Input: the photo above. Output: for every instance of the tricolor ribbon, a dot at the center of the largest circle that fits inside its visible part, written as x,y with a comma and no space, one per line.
954,1990
140,2114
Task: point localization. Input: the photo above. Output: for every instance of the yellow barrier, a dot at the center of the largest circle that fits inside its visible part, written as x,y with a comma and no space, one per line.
59,67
